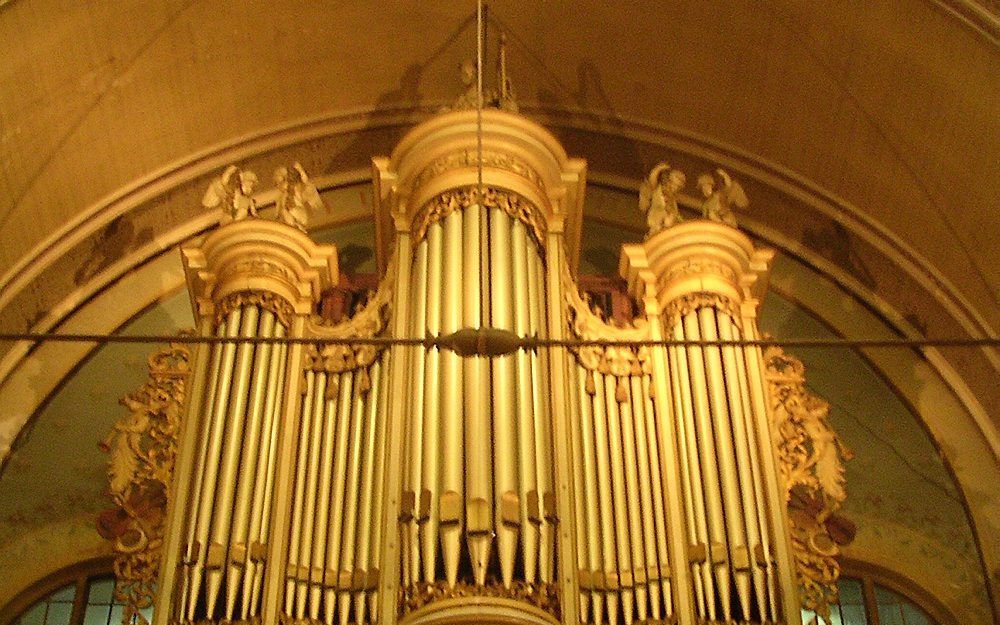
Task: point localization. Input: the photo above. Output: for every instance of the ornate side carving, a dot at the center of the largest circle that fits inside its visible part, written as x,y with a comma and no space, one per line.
811,462
544,596
143,448
457,199
619,361
264,299
369,322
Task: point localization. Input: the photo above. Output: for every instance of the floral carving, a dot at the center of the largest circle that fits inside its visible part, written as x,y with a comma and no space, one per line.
263,299
544,596
678,308
509,202
811,462
143,448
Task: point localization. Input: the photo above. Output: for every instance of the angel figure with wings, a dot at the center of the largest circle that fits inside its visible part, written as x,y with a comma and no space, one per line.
658,197
233,192
296,196
722,194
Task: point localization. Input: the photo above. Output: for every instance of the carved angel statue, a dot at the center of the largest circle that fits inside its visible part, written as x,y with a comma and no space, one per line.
722,194
233,192
296,196
658,197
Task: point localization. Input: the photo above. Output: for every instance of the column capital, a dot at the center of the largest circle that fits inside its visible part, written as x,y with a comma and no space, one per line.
698,258
259,256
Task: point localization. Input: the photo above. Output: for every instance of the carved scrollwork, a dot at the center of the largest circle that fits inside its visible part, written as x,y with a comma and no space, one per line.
514,205
681,306
143,447
266,300
811,462
616,360
544,596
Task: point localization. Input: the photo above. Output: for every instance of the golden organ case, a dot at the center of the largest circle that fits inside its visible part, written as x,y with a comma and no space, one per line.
475,444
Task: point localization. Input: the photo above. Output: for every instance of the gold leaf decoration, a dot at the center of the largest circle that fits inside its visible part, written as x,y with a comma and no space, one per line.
811,462
142,448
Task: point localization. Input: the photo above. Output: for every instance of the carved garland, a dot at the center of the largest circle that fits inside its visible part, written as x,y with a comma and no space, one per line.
678,308
811,462
265,300
143,448
544,596
468,158
614,360
514,205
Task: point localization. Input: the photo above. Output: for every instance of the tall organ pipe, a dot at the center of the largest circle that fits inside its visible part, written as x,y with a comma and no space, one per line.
414,457
350,505
621,513
504,417
298,505
228,328
739,401
264,480
210,468
540,411
647,443
731,498
636,528
307,557
530,516
428,501
366,513
608,530
596,529
709,464
239,547
691,467
583,566
478,462
452,414
342,406
379,495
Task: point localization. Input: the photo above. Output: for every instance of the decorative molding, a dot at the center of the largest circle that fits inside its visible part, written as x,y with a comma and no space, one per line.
679,307
544,596
143,449
811,462
469,158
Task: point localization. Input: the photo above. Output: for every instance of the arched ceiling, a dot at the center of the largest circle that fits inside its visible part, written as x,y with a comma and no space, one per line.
893,108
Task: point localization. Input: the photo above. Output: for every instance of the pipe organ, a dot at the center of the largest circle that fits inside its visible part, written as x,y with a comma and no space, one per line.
592,473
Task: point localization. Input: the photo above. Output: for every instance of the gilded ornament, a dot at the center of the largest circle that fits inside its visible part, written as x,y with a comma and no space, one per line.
811,462
678,308
297,195
617,360
265,300
544,596
143,448
470,158
232,192
514,205
658,197
722,195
